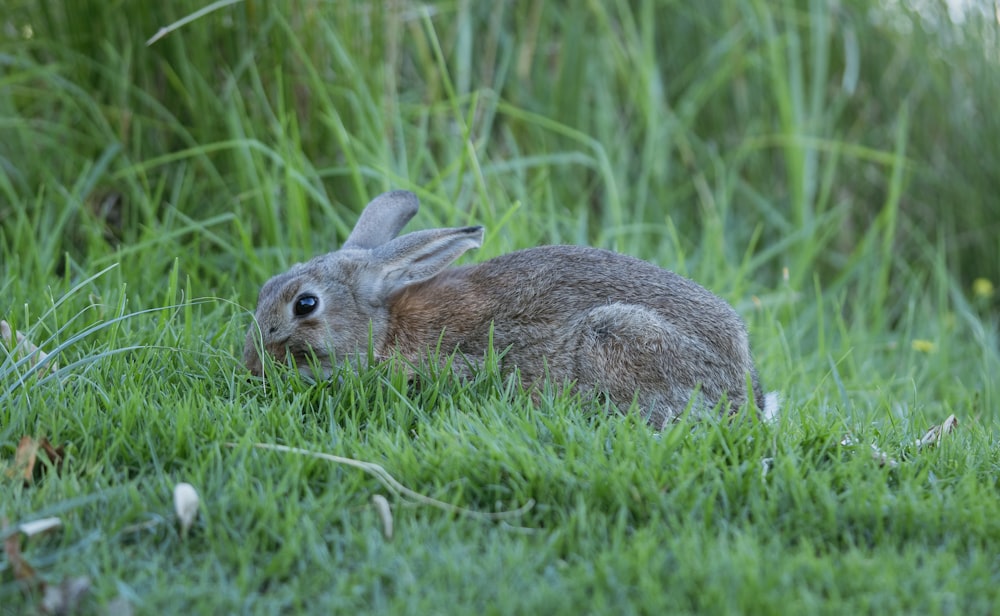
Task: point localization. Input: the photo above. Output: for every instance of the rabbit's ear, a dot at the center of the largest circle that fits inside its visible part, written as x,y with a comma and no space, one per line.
421,255
383,219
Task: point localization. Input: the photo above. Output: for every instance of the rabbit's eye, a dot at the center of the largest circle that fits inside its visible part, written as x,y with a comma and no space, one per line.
305,304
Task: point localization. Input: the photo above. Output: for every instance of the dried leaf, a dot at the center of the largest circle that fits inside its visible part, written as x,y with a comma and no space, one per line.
26,456
37,527
934,435
55,454
186,505
23,572
65,597
384,514
7,336
21,347
24,459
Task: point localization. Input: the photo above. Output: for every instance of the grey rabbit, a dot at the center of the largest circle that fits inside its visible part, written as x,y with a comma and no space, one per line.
606,322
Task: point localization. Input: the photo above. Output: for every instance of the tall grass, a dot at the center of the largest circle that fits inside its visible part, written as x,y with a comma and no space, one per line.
827,167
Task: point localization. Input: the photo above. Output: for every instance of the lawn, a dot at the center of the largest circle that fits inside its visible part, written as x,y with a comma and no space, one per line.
827,168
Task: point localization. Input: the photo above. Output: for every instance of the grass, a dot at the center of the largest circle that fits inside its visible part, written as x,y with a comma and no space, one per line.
790,156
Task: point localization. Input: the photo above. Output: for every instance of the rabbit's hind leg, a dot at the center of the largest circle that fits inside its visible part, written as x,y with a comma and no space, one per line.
632,353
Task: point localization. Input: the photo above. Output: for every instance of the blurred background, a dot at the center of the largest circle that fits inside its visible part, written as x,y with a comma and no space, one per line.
754,145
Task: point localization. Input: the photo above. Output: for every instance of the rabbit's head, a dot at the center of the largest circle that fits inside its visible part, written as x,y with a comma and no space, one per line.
330,308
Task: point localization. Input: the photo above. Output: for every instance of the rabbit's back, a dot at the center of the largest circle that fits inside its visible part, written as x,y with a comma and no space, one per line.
605,320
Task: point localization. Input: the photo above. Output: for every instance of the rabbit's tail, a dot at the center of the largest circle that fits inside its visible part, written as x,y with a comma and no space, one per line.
772,406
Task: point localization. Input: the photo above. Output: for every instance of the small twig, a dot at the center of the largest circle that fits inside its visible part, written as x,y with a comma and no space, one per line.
394,486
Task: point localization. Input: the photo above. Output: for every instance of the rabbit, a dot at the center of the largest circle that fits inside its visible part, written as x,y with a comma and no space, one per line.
603,322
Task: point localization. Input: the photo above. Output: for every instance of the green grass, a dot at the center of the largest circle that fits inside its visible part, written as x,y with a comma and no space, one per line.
826,169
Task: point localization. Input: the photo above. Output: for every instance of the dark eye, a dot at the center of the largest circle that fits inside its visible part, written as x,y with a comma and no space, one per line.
305,304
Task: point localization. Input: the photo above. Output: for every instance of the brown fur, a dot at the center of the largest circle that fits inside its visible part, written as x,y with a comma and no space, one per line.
606,321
